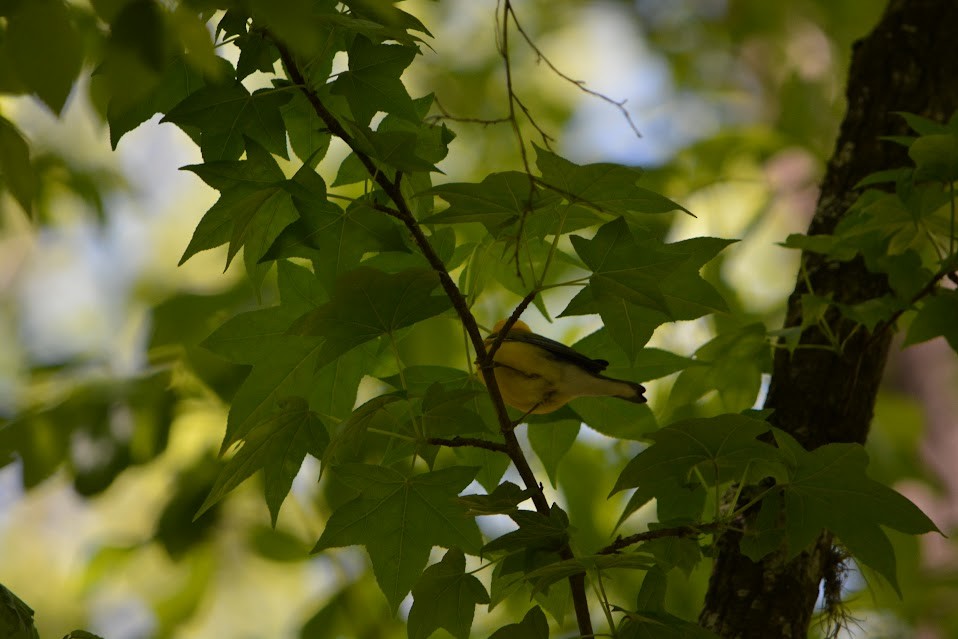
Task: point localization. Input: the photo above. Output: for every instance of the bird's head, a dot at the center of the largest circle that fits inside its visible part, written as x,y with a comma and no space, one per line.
519,326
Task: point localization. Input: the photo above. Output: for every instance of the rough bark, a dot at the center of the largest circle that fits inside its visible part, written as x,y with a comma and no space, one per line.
909,62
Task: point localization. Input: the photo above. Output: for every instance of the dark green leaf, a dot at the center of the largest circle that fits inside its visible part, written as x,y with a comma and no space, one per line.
645,624
504,500
367,304
533,626
542,578
608,187
935,157
828,488
16,617
49,74
732,364
124,113
253,208
492,465
495,202
16,171
399,519
227,114
673,552
551,442
447,412
373,83
308,134
535,531
719,448
922,125
674,501
660,277
652,594
936,316
445,597
277,444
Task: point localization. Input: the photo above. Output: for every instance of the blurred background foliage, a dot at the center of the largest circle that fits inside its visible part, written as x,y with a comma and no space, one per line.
117,412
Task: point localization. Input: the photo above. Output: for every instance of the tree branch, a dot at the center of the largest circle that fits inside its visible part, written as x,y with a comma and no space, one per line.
404,214
458,442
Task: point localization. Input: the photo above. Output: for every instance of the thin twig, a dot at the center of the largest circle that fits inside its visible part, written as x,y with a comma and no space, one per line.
677,531
579,84
445,115
474,442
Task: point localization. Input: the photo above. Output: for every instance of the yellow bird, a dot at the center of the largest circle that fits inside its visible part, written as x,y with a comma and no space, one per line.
539,375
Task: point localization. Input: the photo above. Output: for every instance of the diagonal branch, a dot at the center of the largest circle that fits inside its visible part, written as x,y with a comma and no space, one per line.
404,214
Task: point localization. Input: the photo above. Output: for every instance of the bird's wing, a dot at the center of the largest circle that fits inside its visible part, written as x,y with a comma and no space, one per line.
557,349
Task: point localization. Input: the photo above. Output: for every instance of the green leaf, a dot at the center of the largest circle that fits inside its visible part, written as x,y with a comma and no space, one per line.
445,597
731,363
373,83
495,202
227,114
504,500
447,412
922,125
253,208
719,448
16,171
535,531
277,444
935,157
542,578
395,150
643,624
335,239
551,442
257,53
16,617
250,337
828,488
618,419
660,277
288,371
347,444
608,187
399,519
768,531
936,316
367,304
534,625
308,135
873,311
124,113
49,73
673,552
652,593
492,465
675,501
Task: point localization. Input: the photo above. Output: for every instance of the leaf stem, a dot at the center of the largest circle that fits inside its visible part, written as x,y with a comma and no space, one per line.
604,600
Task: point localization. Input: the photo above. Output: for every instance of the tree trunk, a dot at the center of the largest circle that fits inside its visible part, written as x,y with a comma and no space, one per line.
909,62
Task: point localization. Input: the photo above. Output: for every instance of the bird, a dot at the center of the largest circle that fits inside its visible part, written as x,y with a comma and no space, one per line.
538,375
